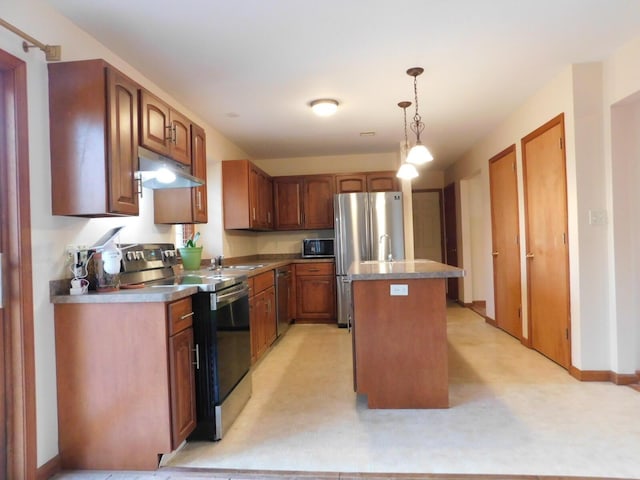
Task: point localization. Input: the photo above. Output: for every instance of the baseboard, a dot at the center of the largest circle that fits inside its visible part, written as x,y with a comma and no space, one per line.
49,469
604,376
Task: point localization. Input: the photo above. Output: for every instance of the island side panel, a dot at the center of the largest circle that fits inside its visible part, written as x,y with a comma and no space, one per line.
113,394
400,343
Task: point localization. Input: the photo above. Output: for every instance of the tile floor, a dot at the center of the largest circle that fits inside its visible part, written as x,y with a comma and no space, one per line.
514,414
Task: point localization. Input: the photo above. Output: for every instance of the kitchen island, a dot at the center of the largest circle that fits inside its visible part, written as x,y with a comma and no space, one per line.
400,332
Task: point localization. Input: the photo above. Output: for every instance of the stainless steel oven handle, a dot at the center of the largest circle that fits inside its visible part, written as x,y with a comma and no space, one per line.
197,352
229,295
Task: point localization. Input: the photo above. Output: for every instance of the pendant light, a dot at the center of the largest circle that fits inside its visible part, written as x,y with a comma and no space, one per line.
407,171
419,154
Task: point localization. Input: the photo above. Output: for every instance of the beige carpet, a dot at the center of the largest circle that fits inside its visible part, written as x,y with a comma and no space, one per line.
512,412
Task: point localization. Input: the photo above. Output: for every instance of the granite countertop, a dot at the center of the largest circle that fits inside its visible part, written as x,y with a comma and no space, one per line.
168,293
402,269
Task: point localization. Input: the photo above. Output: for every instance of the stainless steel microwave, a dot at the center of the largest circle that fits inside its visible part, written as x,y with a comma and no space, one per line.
317,247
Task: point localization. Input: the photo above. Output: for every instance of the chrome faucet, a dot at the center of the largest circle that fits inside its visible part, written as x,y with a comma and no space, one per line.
389,253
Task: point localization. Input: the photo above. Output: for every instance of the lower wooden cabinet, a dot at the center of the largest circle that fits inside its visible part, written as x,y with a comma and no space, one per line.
315,292
262,307
125,379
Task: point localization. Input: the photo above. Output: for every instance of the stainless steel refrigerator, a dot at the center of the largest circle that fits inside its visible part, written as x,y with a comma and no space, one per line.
368,226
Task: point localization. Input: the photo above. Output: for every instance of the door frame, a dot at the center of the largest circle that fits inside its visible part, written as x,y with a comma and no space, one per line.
450,219
15,243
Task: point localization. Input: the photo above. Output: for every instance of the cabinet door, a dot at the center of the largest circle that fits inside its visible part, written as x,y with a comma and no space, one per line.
258,335
180,146
265,207
254,320
269,329
382,182
287,195
254,197
122,155
155,125
315,298
182,386
355,183
199,169
318,201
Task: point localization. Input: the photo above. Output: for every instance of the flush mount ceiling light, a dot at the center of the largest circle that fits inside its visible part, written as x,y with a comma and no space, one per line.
419,154
407,171
324,107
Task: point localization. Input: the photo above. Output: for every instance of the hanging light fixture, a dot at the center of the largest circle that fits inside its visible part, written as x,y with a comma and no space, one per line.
407,171
419,154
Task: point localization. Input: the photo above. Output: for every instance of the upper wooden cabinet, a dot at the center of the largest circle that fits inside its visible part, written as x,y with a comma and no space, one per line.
367,182
303,202
246,196
93,117
186,205
163,129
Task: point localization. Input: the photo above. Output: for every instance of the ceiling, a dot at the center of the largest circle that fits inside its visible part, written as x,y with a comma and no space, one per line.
250,68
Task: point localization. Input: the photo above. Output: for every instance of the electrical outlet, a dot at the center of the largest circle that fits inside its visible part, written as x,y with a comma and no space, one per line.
77,252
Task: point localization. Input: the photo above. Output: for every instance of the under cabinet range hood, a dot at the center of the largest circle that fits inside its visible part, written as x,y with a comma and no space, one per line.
157,171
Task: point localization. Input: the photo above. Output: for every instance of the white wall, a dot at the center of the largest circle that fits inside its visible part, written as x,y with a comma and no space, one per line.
601,106
622,151
51,234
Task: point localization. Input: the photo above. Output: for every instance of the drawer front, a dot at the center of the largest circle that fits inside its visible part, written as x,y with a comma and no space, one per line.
180,315
262,281
318,268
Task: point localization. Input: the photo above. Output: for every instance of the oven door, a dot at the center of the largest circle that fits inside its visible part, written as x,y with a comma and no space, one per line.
223,348
231,356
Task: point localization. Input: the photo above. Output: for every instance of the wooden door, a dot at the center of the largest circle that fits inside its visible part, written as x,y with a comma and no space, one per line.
318,202
505,241
545,186
122,158
199,169
382,182
287,195
182,386
351,183
180,137
451,237
427,224
155,124
17,367
270,328
4,373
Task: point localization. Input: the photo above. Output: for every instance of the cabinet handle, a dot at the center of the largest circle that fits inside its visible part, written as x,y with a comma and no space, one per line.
254,213
495,254
529,255
138,186
197,352
199,200
314,270
170,135
186,315
174,135
268,217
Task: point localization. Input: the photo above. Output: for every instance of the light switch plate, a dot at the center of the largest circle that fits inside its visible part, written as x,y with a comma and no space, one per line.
399,290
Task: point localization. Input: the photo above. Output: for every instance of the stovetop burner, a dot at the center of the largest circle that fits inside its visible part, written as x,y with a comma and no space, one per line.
157,265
